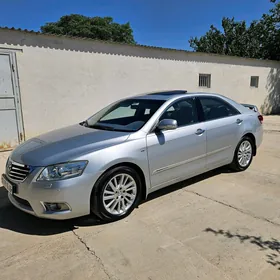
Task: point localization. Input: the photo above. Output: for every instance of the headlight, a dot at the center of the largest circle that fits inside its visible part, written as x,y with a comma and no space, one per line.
62,171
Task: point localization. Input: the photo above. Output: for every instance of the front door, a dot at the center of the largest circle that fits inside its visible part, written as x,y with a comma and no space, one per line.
180,153
223,129
11,131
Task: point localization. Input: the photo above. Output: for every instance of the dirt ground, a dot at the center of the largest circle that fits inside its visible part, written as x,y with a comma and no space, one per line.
220,225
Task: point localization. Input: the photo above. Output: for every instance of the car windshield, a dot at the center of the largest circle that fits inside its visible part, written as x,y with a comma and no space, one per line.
127,115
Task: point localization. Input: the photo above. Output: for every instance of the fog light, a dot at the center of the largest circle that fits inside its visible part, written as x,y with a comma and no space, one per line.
56,207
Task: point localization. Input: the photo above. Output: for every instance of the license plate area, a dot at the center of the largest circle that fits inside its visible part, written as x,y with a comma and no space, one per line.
9,186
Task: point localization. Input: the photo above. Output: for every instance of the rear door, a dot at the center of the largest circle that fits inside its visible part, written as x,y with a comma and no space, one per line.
223,128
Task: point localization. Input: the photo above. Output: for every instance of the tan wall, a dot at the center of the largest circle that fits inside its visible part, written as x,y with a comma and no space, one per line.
63,81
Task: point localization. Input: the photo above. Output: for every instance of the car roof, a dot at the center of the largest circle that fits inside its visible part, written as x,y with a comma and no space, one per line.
171,94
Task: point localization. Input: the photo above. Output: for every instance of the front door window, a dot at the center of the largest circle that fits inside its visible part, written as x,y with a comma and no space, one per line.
183,111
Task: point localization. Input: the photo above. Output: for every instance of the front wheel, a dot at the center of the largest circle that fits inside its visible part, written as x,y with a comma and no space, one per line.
243,154
116,193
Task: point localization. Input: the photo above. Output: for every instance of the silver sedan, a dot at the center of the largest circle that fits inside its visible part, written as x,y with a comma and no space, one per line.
107,164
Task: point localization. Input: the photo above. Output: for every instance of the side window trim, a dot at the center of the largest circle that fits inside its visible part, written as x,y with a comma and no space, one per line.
219,99
170,105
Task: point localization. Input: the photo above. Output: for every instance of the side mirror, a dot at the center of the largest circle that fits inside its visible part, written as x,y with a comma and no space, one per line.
167,124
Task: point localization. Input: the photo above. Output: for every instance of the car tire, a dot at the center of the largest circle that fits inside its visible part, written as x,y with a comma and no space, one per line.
116,193
243,155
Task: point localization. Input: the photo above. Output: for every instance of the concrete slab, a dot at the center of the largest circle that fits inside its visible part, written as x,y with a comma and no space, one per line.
272,123
3,158
220,225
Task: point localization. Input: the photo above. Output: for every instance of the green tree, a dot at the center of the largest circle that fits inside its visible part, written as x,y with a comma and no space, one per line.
261,39
91,27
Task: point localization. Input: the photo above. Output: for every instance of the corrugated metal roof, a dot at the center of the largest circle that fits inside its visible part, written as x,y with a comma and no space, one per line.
126,44
89,39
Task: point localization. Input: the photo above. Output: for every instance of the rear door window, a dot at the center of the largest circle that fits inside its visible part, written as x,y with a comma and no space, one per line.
215,108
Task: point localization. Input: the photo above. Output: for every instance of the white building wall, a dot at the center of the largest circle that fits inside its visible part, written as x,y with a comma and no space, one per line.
63,80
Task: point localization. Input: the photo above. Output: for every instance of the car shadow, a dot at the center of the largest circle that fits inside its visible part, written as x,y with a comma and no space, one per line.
188,182
15,220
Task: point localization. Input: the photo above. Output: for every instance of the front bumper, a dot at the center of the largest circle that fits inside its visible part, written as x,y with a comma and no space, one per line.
75,192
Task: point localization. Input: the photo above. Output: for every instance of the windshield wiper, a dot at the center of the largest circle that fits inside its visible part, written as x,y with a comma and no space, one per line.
103,127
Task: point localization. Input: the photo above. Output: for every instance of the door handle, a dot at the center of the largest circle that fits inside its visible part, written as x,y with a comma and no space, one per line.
200,131
238,121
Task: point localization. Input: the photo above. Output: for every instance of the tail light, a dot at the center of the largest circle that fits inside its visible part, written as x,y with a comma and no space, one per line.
260,117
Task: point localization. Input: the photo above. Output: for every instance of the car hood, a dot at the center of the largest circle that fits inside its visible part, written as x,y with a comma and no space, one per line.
65,144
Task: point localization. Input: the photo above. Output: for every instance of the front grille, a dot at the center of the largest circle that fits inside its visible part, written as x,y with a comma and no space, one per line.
22,201
17,171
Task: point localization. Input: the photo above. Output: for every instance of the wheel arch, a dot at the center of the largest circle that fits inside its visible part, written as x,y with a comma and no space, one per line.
253,138
138,169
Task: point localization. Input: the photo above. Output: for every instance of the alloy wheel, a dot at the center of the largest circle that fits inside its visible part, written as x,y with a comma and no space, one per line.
119,194
244,154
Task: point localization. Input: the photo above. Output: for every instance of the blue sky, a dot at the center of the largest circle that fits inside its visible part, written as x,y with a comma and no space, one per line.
164,23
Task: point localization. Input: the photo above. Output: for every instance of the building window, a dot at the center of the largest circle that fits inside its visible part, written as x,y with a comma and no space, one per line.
204,80
254,81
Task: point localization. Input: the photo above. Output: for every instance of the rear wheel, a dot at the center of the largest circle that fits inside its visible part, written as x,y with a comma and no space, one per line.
243,154
116,193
